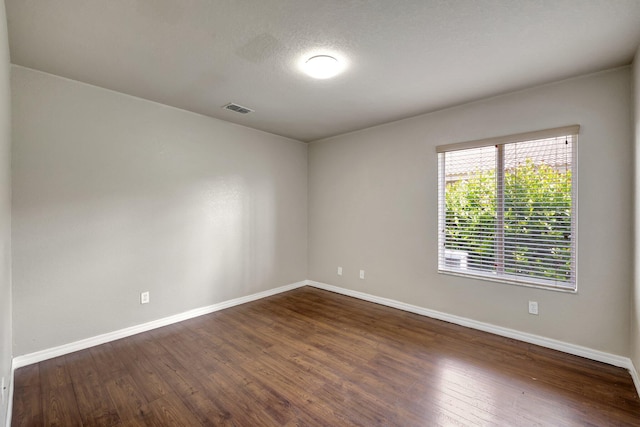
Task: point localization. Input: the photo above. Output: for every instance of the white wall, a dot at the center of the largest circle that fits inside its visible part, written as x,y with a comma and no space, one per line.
373,206
635,305
114,195
5,210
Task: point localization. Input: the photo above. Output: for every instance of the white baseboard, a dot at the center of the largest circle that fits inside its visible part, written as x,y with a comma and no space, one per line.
39,356
10,396
634,376
600,356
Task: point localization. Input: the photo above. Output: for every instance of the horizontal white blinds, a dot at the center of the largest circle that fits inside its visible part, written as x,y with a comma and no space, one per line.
507,211
507,139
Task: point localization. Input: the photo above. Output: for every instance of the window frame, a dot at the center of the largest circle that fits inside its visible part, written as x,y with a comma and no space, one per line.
497,275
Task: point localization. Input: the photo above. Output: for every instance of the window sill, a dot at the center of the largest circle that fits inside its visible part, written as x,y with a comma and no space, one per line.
492,278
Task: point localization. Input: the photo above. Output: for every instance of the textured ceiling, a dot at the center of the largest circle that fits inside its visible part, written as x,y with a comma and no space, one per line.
404,57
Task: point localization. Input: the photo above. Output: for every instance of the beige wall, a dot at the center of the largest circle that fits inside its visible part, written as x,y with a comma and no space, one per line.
5,210
114,195
635,300
373,198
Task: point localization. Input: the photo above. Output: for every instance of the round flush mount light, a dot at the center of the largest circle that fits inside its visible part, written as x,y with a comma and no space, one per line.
322,66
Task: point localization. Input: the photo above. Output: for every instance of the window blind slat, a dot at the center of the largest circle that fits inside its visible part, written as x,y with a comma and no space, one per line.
514,138
507,208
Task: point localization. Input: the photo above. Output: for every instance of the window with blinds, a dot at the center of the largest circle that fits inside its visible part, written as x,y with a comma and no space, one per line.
507,208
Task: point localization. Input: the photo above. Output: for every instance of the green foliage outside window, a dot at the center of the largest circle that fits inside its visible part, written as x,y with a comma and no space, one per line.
537,220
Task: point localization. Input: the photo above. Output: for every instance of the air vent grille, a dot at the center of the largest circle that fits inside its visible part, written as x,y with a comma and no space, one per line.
237,108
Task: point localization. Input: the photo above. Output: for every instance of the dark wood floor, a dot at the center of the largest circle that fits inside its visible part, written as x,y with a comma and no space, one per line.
311,357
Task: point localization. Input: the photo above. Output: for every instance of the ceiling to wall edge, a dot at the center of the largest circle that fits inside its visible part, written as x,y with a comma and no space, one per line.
329,138
481,100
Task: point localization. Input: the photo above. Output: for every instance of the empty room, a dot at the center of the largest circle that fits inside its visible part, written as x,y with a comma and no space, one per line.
319,213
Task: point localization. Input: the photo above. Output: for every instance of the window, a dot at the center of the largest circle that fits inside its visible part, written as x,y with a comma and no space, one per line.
507,208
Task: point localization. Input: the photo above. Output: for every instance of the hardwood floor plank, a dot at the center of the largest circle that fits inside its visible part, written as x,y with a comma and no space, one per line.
169,411
54,373
314,358
28,375
144,374
27,406
151,383
128,399
190,390
94,403
238,394
60,407
107,362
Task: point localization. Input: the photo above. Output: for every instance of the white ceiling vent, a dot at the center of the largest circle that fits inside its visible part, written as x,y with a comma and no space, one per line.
237,108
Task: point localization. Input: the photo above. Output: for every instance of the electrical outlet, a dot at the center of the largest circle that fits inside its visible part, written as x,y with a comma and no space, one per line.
144,297
533,307
339,271
362,274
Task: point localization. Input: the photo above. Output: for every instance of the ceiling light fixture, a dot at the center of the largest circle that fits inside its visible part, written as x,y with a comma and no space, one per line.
322,66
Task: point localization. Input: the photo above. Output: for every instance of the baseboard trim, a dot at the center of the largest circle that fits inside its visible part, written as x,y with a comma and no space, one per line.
634,376
10,396
589,353
39,356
